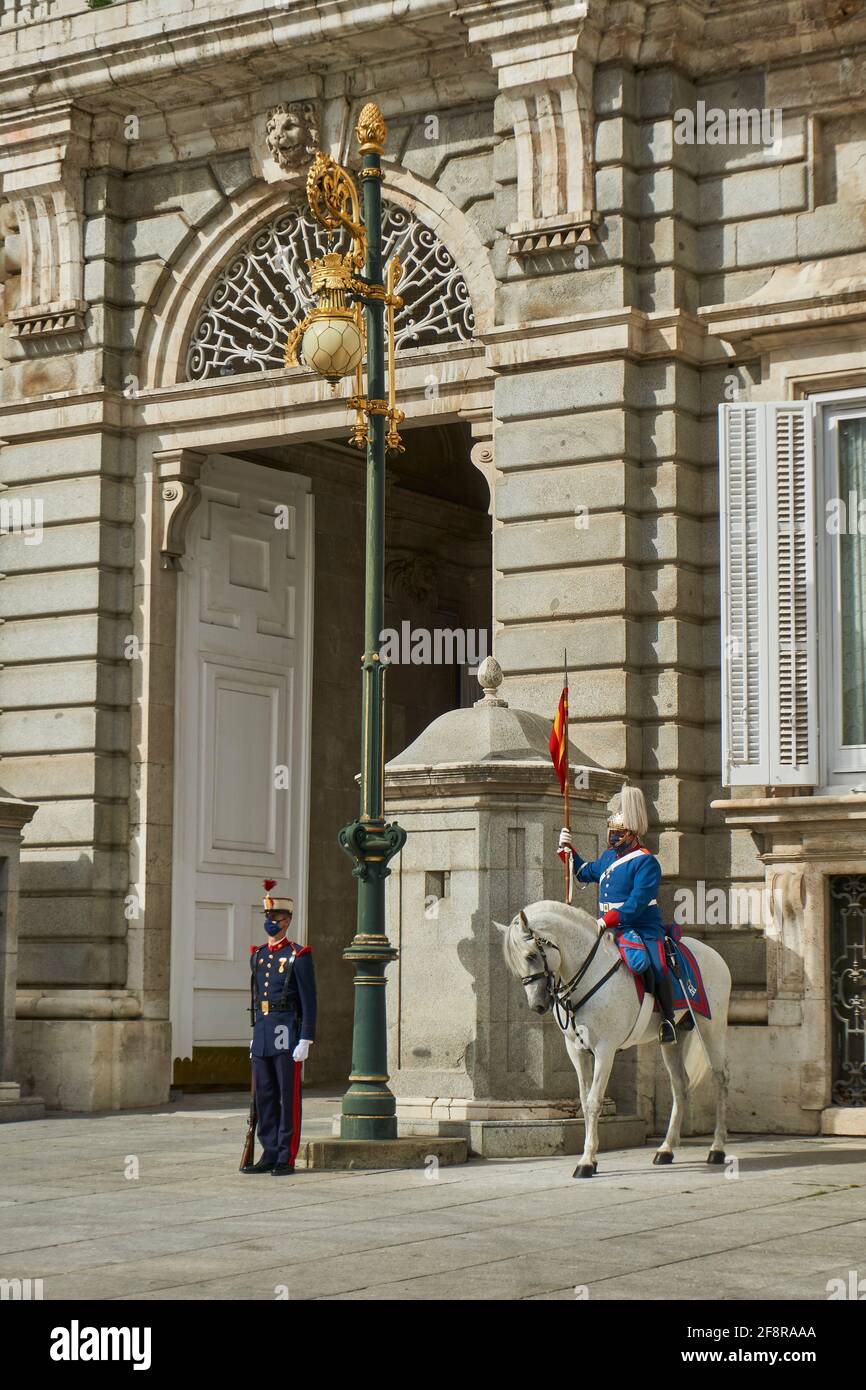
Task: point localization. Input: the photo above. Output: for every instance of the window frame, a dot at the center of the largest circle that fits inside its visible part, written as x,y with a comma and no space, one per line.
841,765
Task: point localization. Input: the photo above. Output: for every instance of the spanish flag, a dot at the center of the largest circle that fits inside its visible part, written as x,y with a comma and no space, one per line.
558,744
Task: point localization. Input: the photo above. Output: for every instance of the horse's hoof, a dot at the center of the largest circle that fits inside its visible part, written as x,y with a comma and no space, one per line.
662,1157
716,1156
584,1170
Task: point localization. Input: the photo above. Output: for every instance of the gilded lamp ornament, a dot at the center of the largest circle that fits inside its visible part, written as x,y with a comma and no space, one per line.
331,338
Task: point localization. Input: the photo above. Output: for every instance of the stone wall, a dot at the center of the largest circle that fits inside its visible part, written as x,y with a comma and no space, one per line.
624,284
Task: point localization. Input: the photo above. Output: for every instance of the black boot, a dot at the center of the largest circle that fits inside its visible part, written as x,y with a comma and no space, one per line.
665,996
264,1165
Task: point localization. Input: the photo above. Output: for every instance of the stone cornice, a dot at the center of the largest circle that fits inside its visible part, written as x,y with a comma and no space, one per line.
617,332
700,37
485,781
74,54
15,814
84,56
277,396
784,812
753,327
794,829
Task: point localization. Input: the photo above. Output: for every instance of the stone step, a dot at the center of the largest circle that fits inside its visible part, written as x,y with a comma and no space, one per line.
405,1152
15,1108
532,1138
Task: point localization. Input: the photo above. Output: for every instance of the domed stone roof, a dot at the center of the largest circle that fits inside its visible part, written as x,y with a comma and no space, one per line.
486,733
504,745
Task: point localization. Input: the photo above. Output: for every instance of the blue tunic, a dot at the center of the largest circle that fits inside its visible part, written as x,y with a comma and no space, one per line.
628,884
284,998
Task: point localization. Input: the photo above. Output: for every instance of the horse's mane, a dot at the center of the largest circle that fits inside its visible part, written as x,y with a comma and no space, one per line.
555,921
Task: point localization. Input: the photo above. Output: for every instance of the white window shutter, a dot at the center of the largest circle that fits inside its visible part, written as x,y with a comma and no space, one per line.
793,673
769,638
742,457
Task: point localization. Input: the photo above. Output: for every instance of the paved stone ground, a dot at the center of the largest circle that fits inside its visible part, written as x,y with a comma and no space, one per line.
191,1227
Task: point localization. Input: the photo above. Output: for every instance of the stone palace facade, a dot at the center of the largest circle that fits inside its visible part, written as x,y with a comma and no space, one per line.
633,365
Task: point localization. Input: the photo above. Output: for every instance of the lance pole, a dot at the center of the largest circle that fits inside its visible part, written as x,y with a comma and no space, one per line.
569,860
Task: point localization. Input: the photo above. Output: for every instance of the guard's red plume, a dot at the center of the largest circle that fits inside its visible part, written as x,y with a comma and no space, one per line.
268,884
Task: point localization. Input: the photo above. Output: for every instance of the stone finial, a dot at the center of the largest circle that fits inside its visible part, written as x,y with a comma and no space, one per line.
490,679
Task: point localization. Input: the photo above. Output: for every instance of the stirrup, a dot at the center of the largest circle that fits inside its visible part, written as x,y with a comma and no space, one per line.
667,1033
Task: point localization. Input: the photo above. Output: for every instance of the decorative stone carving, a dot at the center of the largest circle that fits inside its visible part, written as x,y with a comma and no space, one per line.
264,292
292,135
409,575
544,56
42,175
178,473
482,450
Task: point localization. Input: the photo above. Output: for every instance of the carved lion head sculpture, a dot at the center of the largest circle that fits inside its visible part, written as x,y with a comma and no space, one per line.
293,135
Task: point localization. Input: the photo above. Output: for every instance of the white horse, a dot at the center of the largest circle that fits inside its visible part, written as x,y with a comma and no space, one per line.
554,949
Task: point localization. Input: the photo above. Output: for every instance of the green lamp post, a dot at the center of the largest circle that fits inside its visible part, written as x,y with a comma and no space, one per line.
331,339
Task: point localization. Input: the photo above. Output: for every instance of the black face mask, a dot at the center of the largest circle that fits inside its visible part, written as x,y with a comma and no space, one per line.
275,928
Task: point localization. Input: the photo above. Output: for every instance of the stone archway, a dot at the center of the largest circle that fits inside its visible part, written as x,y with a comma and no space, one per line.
248,413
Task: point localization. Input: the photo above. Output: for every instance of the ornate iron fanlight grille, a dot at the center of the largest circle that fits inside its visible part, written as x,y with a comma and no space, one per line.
264,292
848,987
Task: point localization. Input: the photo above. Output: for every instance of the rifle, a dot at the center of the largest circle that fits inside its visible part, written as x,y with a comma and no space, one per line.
250,1140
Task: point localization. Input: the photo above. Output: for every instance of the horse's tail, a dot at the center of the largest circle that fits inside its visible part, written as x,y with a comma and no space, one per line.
695,1059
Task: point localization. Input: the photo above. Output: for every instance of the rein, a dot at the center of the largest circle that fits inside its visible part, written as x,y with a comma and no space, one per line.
560,994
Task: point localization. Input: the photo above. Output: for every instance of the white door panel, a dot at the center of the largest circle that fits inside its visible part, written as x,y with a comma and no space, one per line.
242,717
245,733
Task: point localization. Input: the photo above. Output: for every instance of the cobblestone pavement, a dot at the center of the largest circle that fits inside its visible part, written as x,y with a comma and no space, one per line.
786,1218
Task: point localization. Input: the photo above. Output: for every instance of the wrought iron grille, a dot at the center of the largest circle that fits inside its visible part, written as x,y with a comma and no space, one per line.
264,291
848,987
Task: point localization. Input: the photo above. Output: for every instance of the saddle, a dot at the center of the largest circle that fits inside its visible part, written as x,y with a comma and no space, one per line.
669,956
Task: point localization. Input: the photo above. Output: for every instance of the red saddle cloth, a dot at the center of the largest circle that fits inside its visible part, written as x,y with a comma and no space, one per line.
692,981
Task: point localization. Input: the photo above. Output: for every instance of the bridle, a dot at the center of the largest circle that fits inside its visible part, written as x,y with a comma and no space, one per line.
560,995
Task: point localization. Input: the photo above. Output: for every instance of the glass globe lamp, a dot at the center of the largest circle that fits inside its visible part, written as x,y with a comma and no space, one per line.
332,343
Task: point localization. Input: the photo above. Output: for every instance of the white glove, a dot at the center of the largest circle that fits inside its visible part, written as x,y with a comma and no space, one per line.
302,1051
602,925
565,841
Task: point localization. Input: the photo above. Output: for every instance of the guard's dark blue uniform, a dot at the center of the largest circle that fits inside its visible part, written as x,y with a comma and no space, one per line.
283,1009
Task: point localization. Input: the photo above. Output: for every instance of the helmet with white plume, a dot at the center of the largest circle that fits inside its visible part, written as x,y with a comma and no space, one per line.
629,813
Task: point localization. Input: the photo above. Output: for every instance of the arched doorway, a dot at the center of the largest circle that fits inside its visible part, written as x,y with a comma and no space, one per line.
438,603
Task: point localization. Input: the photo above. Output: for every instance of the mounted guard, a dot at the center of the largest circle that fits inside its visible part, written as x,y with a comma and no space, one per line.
628,877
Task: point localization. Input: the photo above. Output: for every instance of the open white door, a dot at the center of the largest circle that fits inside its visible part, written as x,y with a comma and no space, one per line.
242,740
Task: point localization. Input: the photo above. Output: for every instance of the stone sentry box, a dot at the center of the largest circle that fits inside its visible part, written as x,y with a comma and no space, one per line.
478,796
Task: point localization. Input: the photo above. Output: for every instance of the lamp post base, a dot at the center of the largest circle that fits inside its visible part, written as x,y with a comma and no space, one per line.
369,1110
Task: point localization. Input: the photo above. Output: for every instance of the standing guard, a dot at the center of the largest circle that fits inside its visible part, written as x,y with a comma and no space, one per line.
283,1016
628,876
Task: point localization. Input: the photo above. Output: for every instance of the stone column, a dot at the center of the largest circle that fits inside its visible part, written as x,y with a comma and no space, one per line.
479,798
14,815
